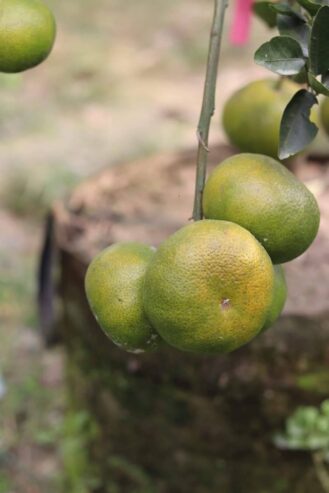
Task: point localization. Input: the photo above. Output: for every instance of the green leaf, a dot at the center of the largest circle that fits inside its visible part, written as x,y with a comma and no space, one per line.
322,426
282,55
296,130
307,429
307,416
294,429
325,79
316,442
285,442
325,407
295,27
312,6
301,77
285,9
319,87
264,11
319,43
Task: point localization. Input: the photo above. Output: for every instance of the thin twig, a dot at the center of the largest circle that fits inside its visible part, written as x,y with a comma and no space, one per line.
208,104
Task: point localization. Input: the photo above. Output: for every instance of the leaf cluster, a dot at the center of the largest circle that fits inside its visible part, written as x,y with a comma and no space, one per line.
307,429
300,51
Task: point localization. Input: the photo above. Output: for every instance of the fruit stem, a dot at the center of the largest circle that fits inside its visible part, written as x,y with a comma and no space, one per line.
278,83
208,104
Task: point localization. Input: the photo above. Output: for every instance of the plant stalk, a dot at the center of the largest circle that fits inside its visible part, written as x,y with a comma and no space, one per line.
321,471
208,104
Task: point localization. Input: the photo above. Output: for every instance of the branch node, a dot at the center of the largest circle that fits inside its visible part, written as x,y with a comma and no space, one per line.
201,141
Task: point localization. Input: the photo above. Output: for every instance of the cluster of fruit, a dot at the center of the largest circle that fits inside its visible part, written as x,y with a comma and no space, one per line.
27,34
216,283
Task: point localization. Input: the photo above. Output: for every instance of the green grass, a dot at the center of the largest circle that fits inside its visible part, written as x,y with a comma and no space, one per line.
17,290
5,483
77,430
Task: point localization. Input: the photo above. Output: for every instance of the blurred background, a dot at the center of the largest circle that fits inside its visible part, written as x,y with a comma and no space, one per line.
124,81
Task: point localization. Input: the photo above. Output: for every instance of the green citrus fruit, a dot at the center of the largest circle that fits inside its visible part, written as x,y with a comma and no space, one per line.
279,296
252,115
113,286
261,195
27,34
324,112
209,287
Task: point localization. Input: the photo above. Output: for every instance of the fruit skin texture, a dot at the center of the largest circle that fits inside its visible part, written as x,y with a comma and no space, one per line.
261,195
209,287
27,34
252,116
324,113
113,286
279,297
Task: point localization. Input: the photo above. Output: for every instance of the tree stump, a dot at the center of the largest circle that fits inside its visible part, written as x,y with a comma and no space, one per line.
173,422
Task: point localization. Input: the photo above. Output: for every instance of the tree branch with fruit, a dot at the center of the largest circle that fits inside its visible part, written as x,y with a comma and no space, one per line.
216,283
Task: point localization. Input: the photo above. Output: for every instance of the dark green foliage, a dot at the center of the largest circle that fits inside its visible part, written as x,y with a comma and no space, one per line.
282,55
296,27
302,51
297,131
265,12
319,43
311,6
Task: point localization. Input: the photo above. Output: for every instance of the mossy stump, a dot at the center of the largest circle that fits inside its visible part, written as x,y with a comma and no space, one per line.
172,422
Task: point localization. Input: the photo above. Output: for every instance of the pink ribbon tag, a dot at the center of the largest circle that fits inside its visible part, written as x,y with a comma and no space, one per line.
240,29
